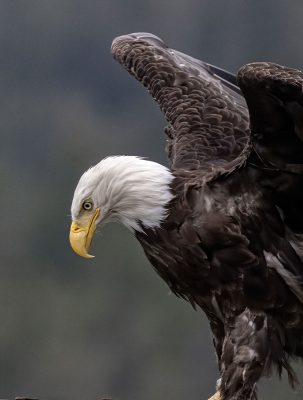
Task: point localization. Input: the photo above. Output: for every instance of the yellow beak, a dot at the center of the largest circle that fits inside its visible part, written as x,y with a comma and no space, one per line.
82,232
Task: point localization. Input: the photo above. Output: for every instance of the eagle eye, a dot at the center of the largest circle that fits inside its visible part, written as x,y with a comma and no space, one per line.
87,205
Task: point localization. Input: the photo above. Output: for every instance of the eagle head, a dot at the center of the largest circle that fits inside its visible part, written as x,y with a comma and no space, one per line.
125,189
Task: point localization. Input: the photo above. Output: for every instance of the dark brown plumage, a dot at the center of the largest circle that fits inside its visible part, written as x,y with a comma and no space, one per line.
231,243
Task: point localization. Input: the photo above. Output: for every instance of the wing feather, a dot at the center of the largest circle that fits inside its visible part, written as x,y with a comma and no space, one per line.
208,121
275,100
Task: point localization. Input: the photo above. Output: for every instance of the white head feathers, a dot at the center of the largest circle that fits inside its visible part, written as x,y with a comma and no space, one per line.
127,189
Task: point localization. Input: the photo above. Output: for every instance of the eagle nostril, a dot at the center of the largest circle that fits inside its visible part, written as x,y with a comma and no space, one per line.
76,228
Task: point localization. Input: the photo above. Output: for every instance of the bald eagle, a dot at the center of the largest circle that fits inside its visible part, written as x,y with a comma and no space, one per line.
223,225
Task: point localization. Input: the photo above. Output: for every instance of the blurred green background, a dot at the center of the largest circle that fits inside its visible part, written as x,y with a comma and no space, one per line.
77,329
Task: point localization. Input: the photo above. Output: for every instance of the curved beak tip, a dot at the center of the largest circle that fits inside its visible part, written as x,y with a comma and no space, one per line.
88,256
77,241
81,235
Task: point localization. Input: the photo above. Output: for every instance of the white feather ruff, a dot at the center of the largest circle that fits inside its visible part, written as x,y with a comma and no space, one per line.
127,189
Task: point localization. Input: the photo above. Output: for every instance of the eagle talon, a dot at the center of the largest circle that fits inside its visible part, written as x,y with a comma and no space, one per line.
216,396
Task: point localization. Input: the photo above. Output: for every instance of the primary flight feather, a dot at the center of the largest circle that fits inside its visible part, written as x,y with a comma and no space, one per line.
223,224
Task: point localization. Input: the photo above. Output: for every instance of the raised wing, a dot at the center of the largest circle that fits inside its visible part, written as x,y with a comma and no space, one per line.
275,100
208,120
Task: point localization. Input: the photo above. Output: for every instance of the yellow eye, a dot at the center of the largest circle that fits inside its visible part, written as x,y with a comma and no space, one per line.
87,205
